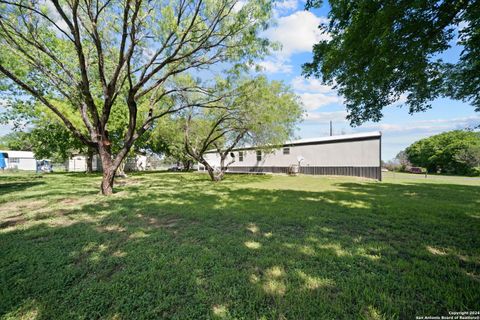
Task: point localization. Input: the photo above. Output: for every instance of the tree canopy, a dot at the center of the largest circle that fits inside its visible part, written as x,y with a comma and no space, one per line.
253,112
453,152
168,139
16,140
102,55
379,52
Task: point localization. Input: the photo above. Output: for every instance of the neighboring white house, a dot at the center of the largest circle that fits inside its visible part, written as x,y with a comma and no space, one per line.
21,160
78,163
350,155
25,160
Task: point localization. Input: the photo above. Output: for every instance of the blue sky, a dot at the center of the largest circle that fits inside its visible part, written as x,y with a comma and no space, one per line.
297,30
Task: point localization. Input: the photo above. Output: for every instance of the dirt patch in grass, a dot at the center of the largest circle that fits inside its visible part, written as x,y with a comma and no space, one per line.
112,228
12,221
22,205
70,201
164,222
126,182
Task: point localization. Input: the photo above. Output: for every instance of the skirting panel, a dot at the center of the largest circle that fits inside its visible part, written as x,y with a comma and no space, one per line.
365,172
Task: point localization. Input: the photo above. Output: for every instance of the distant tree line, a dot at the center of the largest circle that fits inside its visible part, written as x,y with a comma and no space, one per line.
454,152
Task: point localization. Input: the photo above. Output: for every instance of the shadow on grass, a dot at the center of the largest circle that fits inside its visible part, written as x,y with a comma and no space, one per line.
14,183
17,186
183,247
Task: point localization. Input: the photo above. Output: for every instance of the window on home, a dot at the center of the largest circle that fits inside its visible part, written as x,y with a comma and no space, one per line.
14,160
259,155
240,156
286,150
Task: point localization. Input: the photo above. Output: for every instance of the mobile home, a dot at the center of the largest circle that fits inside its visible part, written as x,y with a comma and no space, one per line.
20,160
348,155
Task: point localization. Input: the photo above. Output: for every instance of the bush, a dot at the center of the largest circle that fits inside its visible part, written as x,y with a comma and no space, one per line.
475,171
453,152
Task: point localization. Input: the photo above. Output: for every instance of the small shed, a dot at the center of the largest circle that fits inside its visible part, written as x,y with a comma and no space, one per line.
78,163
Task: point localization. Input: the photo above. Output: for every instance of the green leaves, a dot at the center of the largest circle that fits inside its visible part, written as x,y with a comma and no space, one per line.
380,51
453,152
249,111
95,53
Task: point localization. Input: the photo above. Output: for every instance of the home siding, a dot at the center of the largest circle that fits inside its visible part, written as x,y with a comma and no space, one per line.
26,160
354,157
334,154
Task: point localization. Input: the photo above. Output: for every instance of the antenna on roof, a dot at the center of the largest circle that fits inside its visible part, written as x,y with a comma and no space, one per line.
331,128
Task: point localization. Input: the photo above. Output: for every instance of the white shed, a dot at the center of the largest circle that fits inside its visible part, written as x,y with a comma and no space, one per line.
78,163
21,160
351,155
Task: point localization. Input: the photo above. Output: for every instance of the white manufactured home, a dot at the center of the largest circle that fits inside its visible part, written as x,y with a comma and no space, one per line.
19,160
346,155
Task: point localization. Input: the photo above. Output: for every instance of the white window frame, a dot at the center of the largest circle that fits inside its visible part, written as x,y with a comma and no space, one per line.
240,156
259,155
286,150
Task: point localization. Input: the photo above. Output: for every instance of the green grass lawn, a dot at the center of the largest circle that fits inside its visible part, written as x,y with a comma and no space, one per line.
178,246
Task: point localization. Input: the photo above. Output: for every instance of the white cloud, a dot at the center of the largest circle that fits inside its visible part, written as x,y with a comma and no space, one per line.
426,126
239,5
387,127
297,32
314,94
276,66
3,103
312,101
325,117
286,5
397,137
310,84
56,17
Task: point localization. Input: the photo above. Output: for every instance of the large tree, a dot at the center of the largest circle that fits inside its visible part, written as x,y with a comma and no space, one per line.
47,137
453,152
16,140
167,139
100,55
250,112
378,52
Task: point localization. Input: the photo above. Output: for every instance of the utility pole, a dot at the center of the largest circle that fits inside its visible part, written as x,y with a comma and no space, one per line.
331,128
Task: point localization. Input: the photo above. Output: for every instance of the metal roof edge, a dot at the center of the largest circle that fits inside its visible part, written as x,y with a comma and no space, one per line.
314,141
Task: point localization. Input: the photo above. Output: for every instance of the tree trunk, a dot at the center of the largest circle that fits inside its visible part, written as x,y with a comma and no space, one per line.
187,164
214,175
210,170
107,181
121,170
223,168
219,175
106,186
89,160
